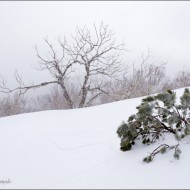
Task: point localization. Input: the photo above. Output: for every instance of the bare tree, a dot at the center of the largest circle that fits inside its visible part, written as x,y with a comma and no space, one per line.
95,55
51,101
14,104
139,80
182,79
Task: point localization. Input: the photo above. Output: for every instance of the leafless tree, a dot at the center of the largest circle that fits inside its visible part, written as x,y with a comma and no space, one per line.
13,105
53,100
139,80
94,55
182,79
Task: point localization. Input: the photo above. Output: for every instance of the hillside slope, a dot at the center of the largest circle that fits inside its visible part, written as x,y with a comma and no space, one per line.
80,149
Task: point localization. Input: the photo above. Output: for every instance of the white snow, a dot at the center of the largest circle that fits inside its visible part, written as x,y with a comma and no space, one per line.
80,149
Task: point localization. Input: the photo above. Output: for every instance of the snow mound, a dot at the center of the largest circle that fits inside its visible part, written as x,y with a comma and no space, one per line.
80,149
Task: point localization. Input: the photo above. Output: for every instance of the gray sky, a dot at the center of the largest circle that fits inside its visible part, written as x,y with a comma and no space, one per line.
164,27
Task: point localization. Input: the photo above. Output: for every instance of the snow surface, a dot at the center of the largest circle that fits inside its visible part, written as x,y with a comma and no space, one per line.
80,149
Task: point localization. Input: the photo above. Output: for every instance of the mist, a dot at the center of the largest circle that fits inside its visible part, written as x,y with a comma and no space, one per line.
162,27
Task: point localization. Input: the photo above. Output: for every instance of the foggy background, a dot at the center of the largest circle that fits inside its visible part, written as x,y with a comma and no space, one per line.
162,27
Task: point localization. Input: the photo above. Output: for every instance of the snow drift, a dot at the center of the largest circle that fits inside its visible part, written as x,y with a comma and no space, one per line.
80,149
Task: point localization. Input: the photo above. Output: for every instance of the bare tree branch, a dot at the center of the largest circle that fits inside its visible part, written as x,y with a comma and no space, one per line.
94,53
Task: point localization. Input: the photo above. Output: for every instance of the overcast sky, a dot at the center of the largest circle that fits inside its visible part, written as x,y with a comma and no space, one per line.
164,27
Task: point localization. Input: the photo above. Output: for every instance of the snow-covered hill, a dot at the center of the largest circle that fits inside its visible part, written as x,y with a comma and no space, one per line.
80,149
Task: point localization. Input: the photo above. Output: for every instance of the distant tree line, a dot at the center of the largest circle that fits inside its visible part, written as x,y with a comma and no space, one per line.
13,104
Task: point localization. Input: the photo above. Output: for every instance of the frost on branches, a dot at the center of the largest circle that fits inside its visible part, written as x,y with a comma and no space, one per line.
156,116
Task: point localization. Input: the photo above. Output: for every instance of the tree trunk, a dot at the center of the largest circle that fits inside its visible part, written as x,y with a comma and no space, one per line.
67,97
